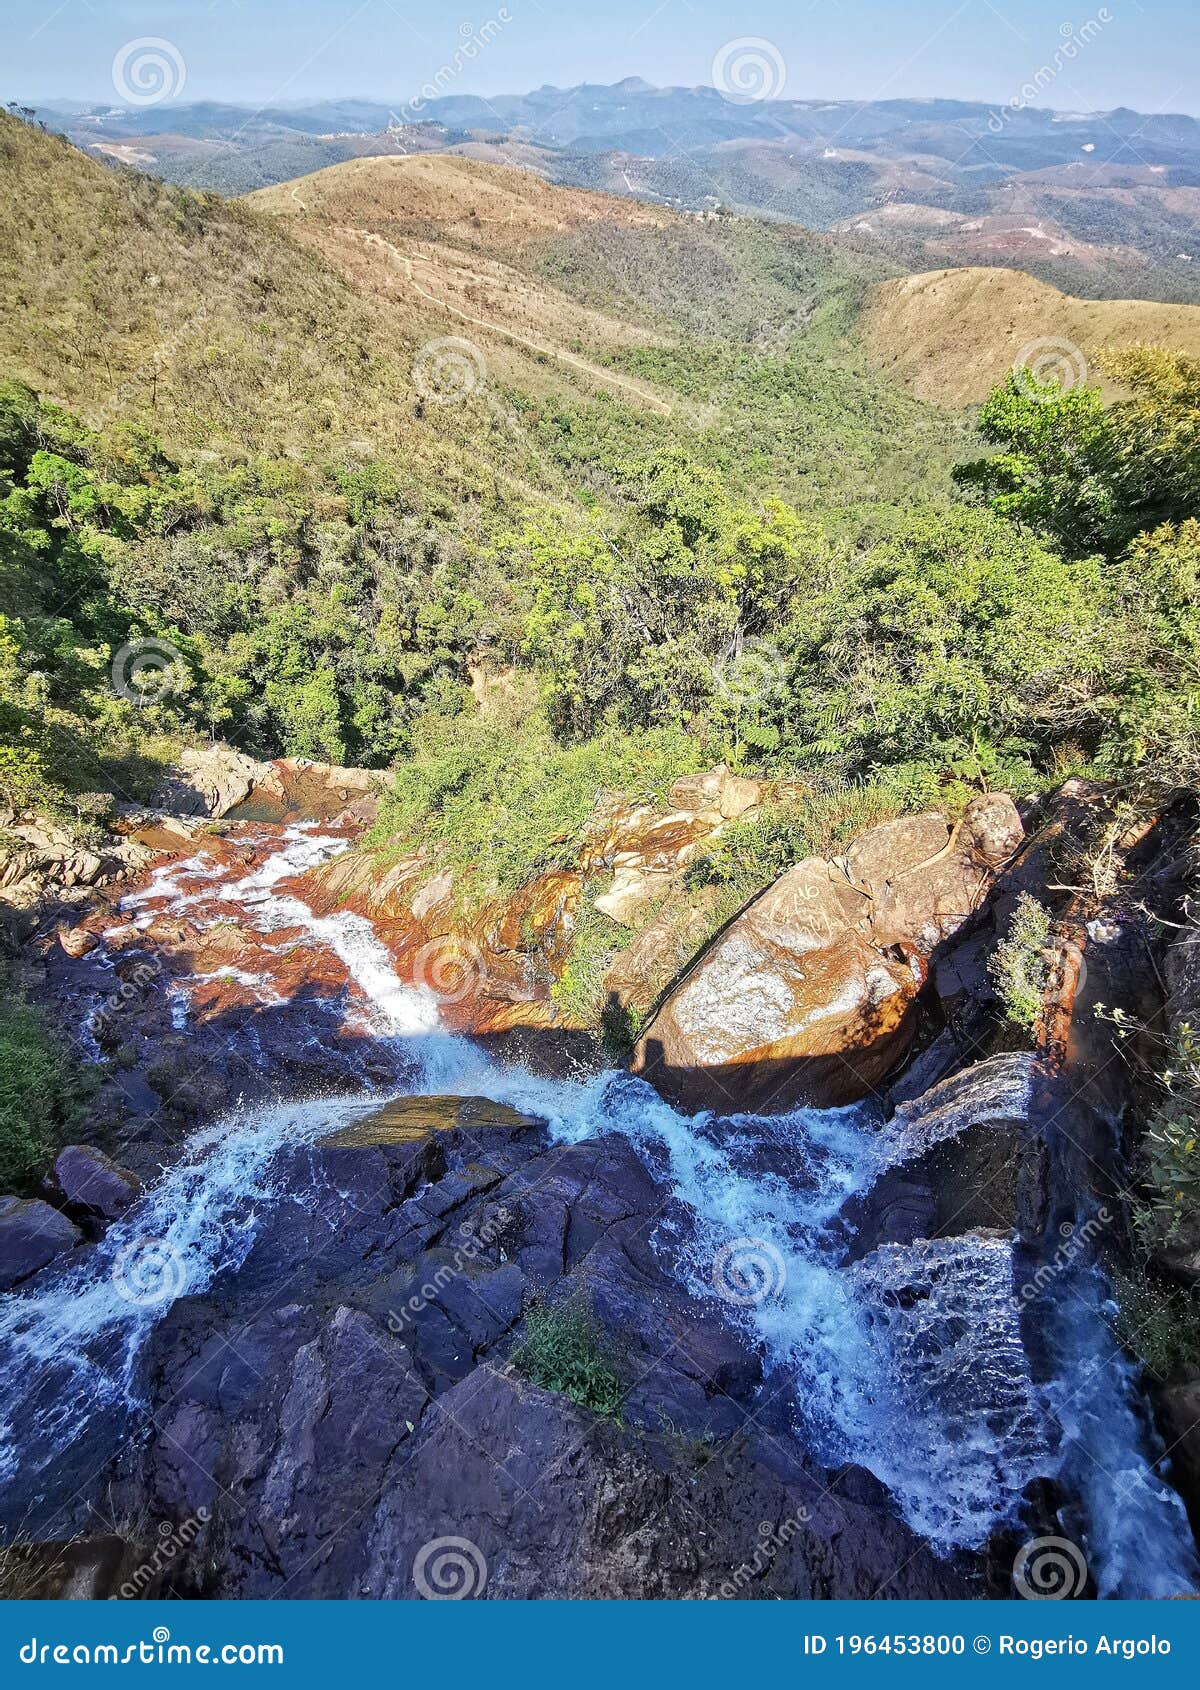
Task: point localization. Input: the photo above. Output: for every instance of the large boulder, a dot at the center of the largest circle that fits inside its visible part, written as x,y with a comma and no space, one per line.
809,996
93,1184
31,1235
209,781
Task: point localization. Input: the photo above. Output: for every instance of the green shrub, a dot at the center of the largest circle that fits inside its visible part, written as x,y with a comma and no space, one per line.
1018,966
1172,1144
1157,1322
596,941
815,821
495,797
40,1090
564,1350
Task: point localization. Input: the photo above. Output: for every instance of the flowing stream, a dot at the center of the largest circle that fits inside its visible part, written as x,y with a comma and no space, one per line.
910,1363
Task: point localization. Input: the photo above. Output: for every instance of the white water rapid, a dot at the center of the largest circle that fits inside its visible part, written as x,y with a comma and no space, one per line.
910,1363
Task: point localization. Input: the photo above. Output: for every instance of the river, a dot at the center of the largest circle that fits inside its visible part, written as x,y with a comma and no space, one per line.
931,1388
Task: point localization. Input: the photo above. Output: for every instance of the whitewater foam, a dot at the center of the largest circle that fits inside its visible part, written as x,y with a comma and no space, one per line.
910,1364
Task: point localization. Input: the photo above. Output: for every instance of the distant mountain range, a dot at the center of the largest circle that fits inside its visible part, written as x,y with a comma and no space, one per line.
1095,202
632,116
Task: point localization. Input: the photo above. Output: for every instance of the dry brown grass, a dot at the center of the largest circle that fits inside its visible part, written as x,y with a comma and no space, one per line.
457,242
950,335
459,196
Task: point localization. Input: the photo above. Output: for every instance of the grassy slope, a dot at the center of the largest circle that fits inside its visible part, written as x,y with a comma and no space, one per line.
951,334
734,338
128,300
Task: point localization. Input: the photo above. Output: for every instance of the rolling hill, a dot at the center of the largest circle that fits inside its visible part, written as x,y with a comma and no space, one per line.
951,334
296,320
1098,203
456,236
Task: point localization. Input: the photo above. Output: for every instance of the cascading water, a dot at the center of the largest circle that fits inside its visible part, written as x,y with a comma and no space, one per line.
910,1363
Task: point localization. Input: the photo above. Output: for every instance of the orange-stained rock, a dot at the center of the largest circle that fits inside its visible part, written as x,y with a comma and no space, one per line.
921,891
792,1005
718,792
809,996
77,941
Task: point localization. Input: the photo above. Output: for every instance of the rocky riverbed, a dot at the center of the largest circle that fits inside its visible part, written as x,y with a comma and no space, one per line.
843,1257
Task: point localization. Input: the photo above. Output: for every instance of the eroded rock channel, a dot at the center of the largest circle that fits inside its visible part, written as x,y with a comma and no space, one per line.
283,1310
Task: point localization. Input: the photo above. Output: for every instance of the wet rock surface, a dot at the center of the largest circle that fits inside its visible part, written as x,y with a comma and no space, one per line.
967,1154
91,1184
32,1233
341,1393
345,1398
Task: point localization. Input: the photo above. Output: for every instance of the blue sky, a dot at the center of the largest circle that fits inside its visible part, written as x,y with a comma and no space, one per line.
1145,54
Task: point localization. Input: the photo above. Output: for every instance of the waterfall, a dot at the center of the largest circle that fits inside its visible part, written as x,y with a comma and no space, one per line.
909,1363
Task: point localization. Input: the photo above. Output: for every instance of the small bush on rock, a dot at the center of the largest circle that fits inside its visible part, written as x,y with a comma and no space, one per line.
1018,966
564,1350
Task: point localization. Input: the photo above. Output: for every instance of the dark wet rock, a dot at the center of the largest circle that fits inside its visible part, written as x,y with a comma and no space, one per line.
31,1235
967,1154
345,1396
554,1503
92,1184
1179,1415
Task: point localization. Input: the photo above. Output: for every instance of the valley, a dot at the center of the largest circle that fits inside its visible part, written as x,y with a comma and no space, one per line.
598,855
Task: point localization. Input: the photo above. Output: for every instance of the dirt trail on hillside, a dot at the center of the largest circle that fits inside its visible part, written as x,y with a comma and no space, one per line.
596,371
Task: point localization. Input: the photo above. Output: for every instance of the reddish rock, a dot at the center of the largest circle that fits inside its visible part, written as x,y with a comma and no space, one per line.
77,941
809,996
